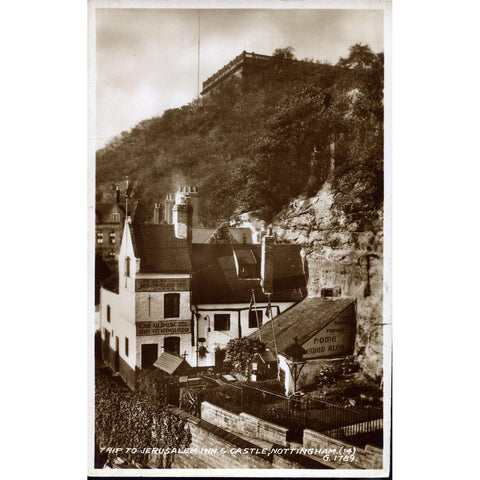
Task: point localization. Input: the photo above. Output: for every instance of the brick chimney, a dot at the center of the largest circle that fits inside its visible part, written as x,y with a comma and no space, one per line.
169,202
156,214
182,217
194,195
267,262
117,193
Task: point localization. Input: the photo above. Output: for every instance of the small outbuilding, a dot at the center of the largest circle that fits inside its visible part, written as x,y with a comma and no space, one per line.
324,328
264,366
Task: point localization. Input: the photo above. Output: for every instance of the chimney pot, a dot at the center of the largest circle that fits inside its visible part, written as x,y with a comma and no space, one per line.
267,262
182,217
156,214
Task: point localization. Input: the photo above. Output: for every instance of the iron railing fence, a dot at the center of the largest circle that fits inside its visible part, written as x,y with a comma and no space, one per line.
297,413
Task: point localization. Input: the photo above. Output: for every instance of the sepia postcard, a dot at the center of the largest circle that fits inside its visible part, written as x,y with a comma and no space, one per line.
240,239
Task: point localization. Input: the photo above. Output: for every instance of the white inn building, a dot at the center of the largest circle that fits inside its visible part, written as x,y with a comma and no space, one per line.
176,295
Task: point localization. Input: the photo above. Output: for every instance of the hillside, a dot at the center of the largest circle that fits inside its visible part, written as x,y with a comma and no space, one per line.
249,145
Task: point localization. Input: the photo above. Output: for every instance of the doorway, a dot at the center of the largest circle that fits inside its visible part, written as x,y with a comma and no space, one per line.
172,345
106,347
149,354
117,354
219,358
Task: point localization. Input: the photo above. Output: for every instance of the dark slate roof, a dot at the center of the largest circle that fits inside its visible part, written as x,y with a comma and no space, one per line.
171,364
202,235
302,321
111,283
266,356
215,278
159,250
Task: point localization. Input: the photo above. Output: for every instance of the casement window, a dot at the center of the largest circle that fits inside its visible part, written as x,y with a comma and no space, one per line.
221,321
115,217
99,237
171,305
126,346
108,313
252,318
112,237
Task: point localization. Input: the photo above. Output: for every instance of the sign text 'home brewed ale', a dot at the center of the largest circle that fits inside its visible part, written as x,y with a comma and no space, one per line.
335,339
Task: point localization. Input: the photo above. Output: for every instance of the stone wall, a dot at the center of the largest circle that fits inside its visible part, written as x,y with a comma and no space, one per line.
215,447
244,423
368,458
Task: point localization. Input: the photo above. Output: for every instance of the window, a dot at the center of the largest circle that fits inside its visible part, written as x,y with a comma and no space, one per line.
171,305
108,313
99,237
247,271
115,217
112,237
221,321
126,346
252,318
127,266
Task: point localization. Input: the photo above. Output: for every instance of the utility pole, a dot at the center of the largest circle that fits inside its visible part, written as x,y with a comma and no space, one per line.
198,57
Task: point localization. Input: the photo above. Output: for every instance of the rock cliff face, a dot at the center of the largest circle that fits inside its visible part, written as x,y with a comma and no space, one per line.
340,253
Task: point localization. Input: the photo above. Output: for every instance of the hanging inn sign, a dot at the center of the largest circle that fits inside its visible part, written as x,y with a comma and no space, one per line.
164,327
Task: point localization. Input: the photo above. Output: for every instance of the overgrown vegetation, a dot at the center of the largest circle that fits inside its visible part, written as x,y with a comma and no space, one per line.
128,420
249,145
345,384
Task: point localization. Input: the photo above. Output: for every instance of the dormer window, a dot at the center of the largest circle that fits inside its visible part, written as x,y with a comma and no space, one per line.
245,262
112,237
99,237
247,271
115,217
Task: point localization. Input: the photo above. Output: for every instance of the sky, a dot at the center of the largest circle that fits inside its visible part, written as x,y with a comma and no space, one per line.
147,59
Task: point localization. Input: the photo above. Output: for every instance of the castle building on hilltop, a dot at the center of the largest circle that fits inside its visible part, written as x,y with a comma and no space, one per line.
246,62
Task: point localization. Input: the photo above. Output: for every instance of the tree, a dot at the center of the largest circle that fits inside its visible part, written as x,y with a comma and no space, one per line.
239,352
361,56
286,53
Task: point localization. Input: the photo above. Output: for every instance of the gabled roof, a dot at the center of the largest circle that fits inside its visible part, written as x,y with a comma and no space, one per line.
265,356
104,209
159,250
215,278
171,364
302,321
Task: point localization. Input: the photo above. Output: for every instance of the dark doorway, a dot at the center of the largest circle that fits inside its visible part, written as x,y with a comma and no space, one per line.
149,354
117,354
171,345
173,393
106,346
219,358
